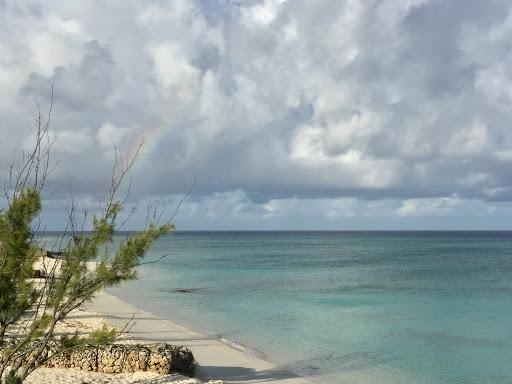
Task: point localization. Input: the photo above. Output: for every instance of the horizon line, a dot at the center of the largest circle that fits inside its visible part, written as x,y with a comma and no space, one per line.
298,230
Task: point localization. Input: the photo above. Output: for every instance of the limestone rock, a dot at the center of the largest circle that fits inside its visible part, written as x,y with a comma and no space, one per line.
127,358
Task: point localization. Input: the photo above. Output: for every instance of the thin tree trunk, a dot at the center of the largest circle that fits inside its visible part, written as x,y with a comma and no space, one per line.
33,363
3,328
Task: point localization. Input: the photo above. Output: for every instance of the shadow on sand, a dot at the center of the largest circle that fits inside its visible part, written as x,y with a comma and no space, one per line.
242,374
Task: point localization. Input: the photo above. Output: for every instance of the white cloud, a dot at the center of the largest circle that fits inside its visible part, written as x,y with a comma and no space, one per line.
73,141
173,70
110,136
429,207
267,100
263,13
470,141
57,42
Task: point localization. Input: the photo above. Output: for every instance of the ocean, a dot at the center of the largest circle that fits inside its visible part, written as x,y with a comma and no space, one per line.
397,307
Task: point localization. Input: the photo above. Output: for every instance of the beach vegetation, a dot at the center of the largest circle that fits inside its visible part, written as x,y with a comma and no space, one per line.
32,309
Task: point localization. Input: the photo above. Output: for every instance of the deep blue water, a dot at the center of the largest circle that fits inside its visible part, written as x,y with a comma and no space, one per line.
411,307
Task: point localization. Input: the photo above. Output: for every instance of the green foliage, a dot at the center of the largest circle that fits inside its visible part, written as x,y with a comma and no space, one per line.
64,290
102,336
67,342
12,378
17,256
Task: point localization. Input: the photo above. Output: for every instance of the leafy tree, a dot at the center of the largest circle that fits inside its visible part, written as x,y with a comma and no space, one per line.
31,309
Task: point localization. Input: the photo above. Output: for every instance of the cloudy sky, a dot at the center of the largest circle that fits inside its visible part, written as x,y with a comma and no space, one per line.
298,114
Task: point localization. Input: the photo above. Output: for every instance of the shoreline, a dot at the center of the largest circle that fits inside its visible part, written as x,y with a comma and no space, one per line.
175,315
218,358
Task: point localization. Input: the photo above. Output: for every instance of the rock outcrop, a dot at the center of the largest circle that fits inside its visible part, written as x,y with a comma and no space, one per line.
125,358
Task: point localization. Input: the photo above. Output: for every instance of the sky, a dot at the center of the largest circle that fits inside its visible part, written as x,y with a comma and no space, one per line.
288,114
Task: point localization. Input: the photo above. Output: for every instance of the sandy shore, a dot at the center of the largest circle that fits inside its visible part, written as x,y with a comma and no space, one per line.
76,376
220,362
217,359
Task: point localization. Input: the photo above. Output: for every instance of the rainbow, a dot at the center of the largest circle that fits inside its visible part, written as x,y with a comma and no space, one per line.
147,143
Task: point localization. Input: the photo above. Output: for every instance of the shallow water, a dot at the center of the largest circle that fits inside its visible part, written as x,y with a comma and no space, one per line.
411,307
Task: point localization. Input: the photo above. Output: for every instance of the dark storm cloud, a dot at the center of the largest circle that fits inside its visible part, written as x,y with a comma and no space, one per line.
402,104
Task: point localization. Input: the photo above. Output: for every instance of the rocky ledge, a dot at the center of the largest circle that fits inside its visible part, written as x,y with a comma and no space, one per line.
127,358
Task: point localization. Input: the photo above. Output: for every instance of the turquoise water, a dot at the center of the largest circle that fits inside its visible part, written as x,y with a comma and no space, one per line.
418,307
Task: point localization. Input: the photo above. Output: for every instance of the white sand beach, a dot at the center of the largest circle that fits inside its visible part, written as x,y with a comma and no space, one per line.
217,359
76,376
219,362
